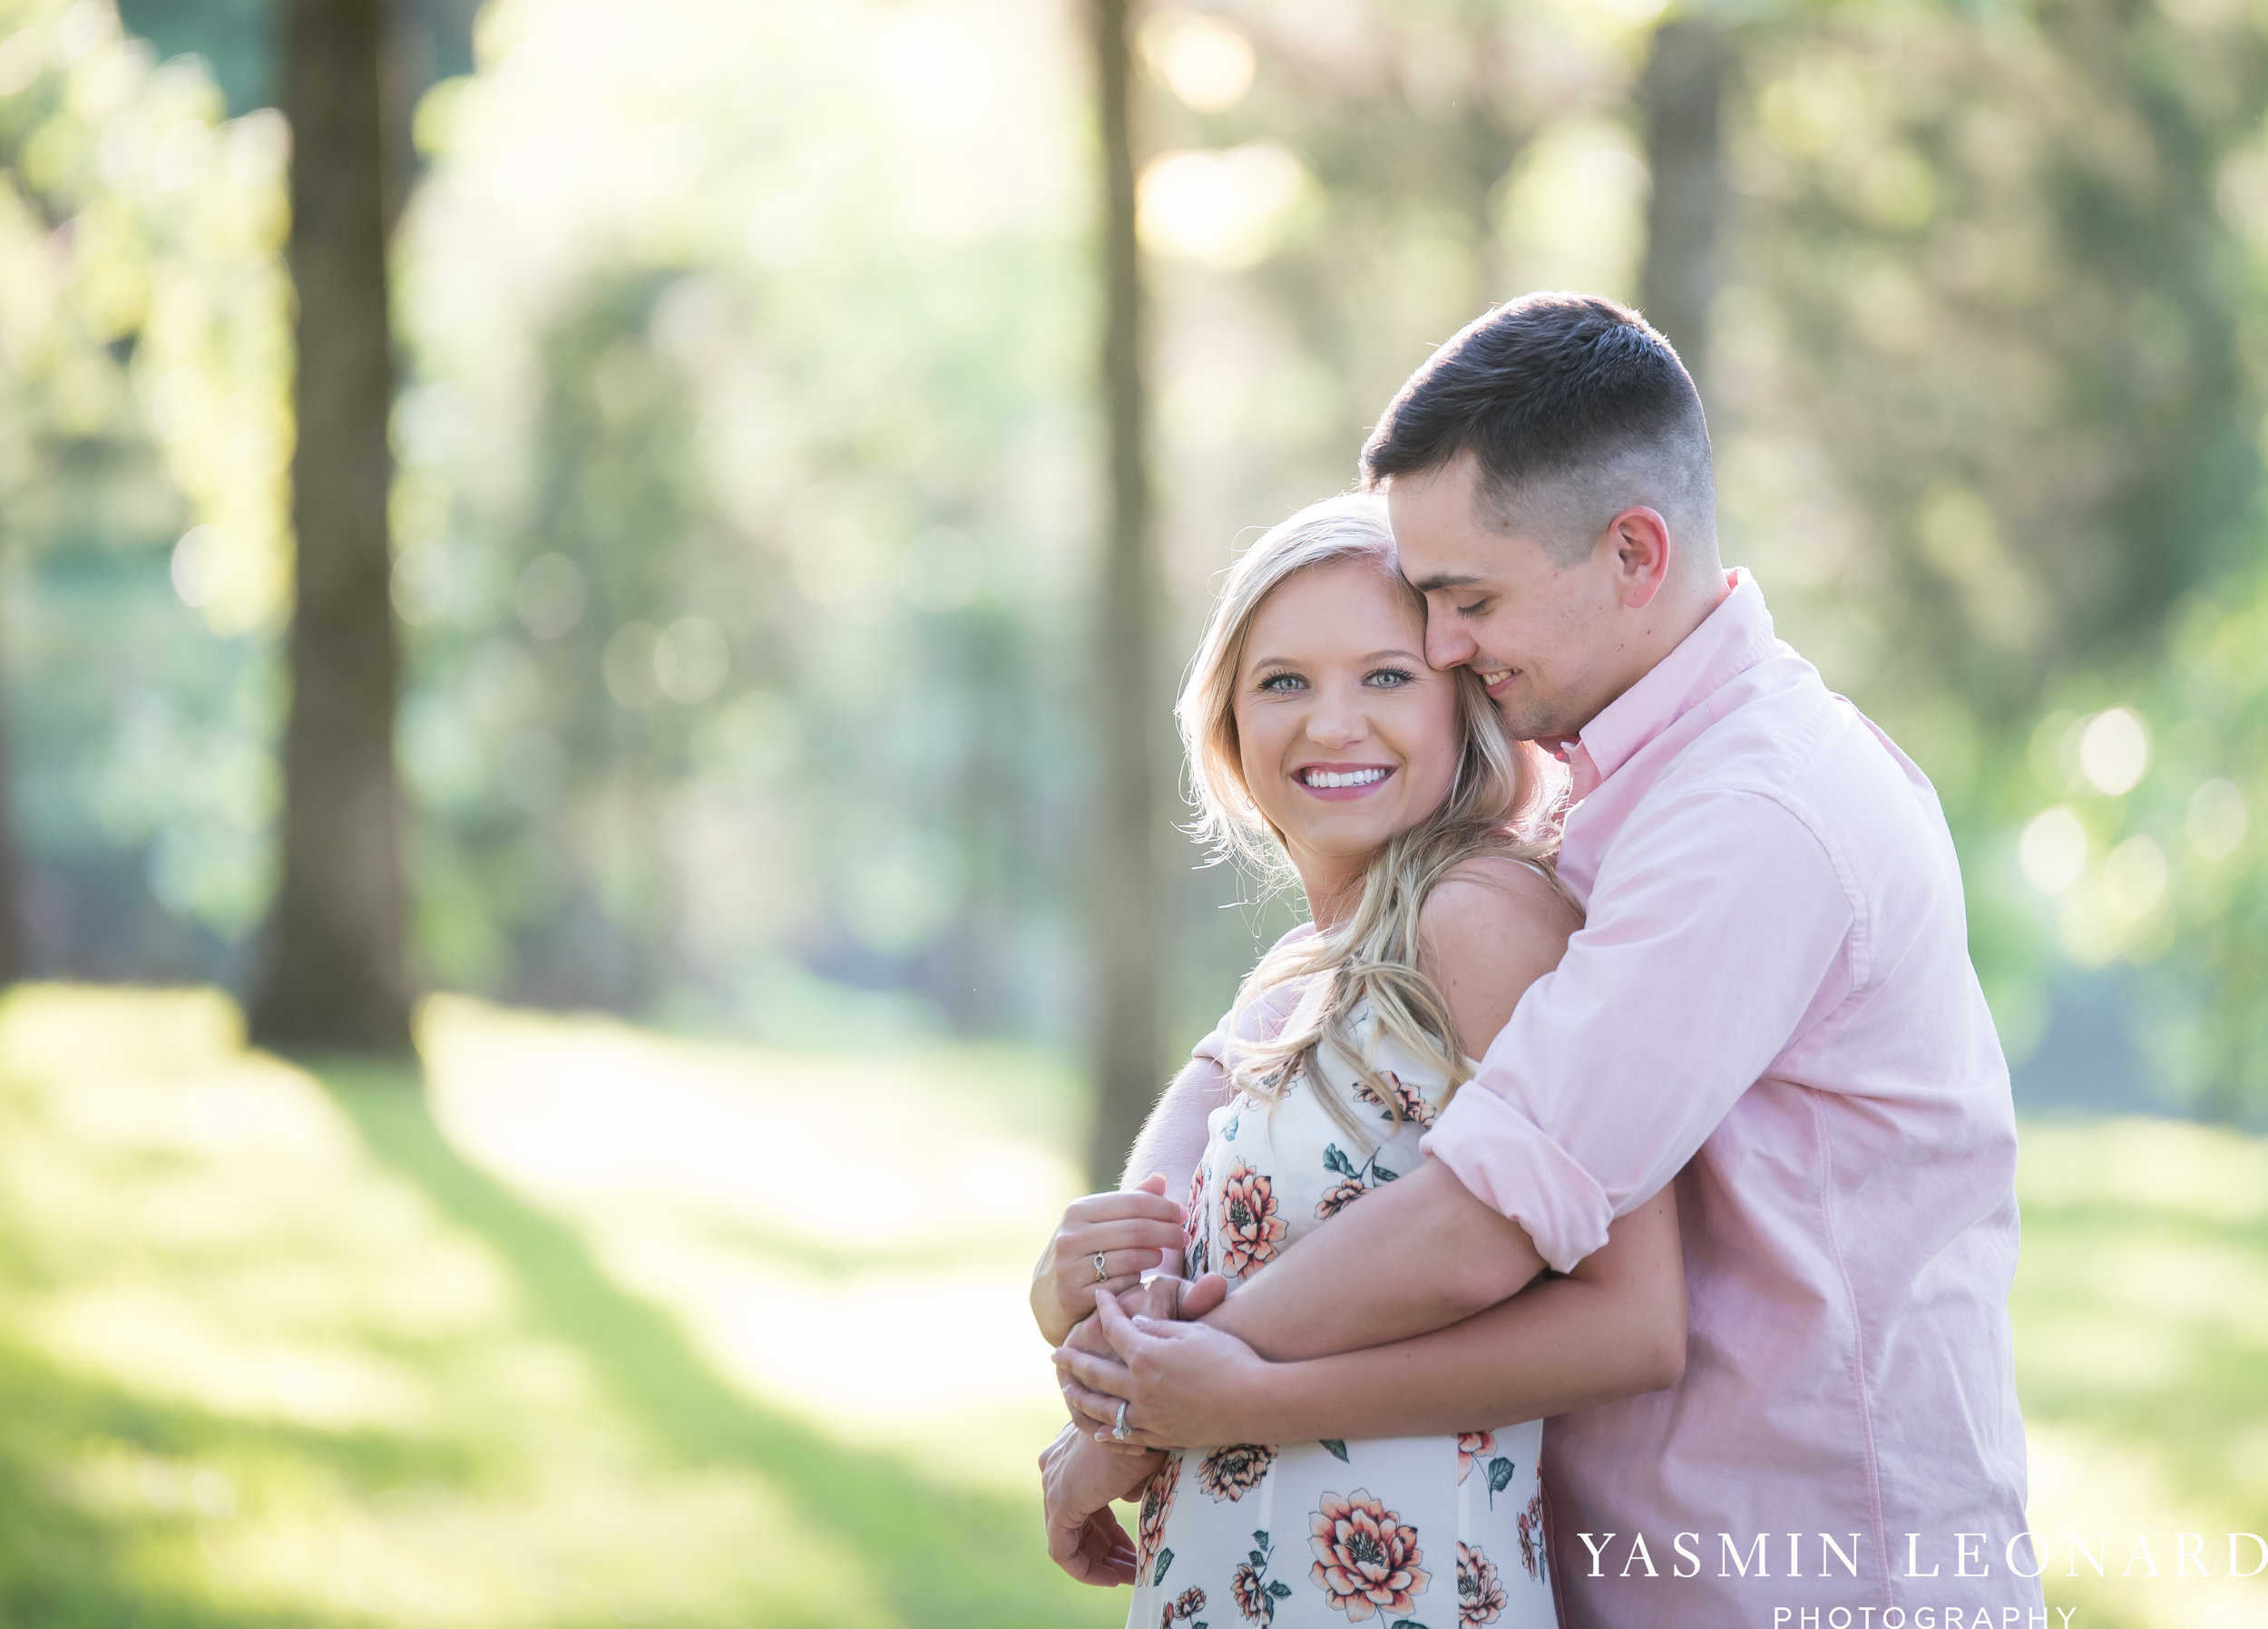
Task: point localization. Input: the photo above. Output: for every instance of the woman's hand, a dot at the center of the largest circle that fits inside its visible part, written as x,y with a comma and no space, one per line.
1132,1230
1084,1538
1184,1384
1163,1297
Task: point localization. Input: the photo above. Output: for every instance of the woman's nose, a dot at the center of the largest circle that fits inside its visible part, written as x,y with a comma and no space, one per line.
1337,722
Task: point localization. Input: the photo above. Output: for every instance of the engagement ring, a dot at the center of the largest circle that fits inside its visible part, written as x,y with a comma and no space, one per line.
1101,1272
1119,1431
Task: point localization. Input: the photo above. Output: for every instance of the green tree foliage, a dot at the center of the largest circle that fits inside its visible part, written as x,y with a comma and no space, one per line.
1984,362
1989,383
142,453
748,505
744,517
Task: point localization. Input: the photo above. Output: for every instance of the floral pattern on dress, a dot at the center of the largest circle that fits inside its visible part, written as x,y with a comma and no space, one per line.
1193,1226
1410,1105
1366,1558
1250,1587
1531,1550
1157,1504
1354,1181
1251,1231
1472,1446
1479,1592
1266,1180
1230,1473
1190,1603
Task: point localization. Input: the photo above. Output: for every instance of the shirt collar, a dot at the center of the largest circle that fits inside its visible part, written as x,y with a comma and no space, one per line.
1731,639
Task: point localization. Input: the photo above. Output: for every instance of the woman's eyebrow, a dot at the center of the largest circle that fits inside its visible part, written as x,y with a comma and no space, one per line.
1380,656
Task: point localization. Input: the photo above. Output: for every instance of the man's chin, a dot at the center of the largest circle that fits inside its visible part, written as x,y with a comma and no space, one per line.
1522,724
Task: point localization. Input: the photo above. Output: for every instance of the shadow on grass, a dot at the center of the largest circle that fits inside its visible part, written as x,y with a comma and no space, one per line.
63,1565
936,1555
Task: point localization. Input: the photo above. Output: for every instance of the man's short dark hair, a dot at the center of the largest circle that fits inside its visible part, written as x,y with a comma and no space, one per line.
1575,408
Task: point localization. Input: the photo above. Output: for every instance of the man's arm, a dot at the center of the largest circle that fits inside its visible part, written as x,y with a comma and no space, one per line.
1718,933
1613,1328
1417,1255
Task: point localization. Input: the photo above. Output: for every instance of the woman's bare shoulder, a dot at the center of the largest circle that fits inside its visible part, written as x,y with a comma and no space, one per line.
1490,929
1490,899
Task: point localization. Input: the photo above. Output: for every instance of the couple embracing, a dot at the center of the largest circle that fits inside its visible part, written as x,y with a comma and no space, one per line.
1602,1212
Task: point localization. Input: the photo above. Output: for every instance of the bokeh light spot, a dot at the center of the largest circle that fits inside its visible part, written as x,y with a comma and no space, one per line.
690,660
2217,818
196,566
2053,849
2134,878
2114,752
1206,62
1222,209
550,596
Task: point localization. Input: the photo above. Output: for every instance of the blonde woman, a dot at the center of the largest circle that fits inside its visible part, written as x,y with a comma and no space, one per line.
1397,1485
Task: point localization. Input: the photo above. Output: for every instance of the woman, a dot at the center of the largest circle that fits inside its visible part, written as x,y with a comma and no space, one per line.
1397,1485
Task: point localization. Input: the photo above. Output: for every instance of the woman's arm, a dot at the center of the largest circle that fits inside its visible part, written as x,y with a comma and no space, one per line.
1172,1140
1138,1228
1614,1327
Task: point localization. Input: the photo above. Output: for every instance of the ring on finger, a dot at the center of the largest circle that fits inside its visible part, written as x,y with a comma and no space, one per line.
1101,1272
1119,1431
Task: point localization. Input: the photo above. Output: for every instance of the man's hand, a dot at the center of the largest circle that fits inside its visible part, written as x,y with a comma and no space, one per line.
1184,1384
1084,1538
1132,1230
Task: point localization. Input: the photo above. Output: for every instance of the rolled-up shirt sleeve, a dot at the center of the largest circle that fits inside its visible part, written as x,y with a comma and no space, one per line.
1718,930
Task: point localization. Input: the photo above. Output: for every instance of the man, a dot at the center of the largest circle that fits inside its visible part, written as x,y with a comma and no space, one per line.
1771,1002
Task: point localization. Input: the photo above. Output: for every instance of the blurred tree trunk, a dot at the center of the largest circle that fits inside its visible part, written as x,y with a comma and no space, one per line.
1130,918
334,976
1683,94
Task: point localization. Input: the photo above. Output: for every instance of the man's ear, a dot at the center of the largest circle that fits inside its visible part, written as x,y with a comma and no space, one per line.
1642,554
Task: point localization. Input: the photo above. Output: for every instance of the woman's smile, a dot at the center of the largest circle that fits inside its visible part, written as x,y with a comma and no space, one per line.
1346,737
1340,782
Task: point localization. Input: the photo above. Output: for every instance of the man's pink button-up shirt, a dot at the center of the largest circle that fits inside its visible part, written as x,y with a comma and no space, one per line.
1771,1001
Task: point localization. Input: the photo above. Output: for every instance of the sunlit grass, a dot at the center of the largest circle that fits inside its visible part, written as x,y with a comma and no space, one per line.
2142,1356
617,1330
590,1326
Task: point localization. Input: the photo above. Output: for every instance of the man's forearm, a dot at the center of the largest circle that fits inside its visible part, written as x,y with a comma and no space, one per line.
1414,1256
1560,1345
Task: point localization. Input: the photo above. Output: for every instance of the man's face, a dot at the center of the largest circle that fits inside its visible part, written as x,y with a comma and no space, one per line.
1545,637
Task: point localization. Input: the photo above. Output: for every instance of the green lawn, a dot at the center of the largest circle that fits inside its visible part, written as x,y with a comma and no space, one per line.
593,1327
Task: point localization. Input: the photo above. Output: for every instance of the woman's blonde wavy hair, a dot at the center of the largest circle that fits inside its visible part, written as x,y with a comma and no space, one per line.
1500,804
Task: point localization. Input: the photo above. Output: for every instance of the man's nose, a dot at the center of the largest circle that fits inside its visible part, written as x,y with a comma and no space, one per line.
1447,644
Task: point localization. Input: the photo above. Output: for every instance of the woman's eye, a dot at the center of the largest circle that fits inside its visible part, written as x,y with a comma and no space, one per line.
1280,684
1392,679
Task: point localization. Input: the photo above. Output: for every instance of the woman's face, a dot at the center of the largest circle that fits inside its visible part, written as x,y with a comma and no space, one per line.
1347,737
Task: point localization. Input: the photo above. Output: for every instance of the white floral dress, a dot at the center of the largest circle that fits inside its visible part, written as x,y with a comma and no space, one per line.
1402,1533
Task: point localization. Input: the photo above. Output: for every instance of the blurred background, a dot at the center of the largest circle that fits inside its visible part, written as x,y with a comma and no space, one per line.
759,469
